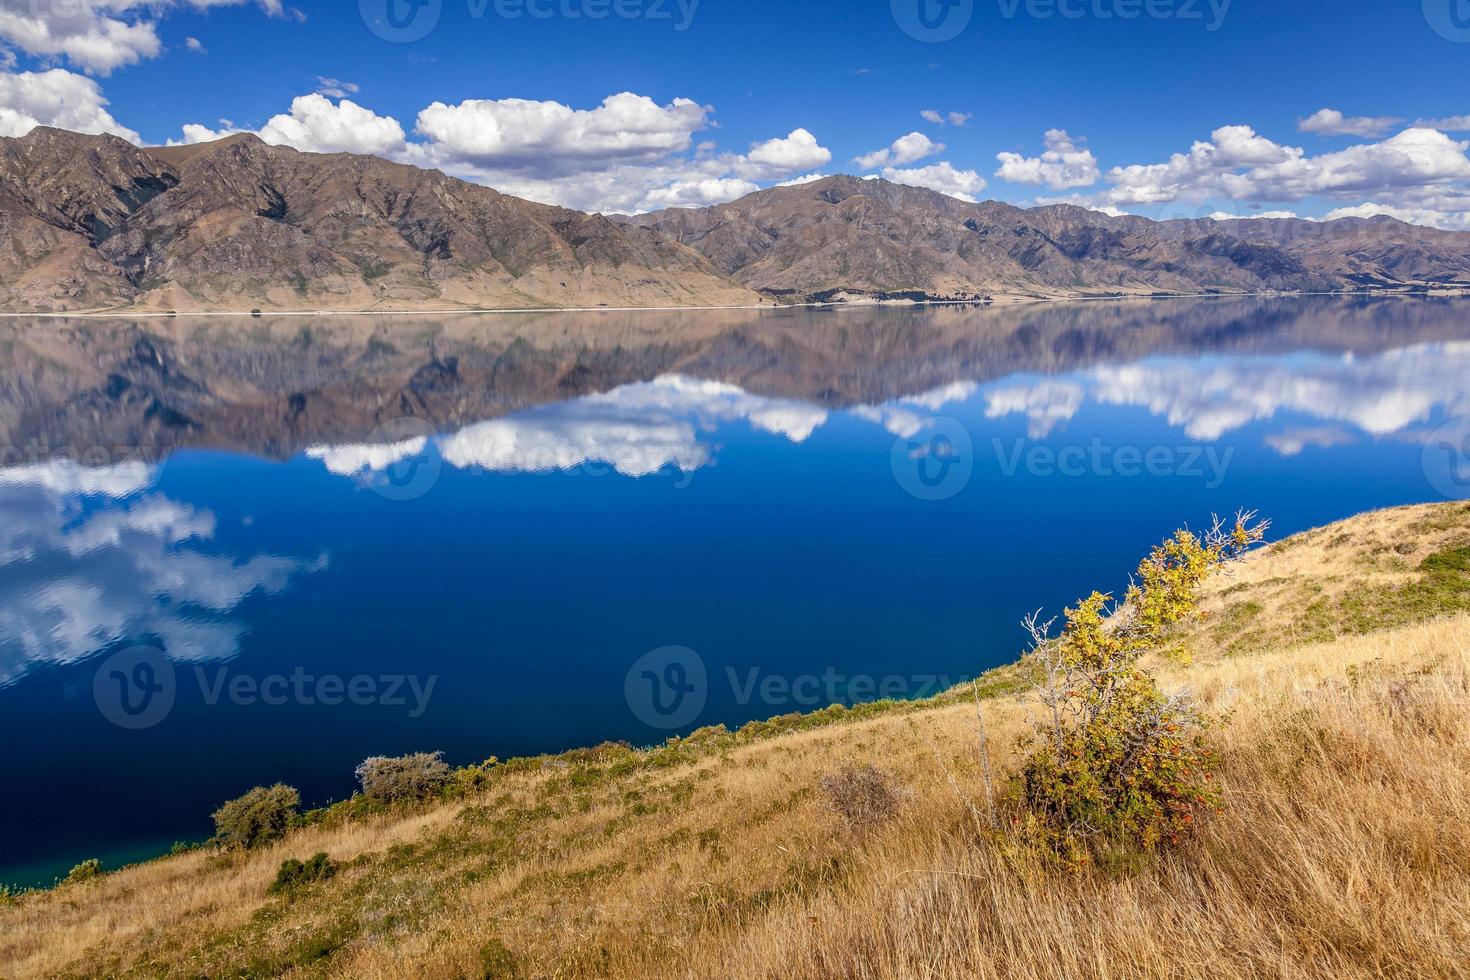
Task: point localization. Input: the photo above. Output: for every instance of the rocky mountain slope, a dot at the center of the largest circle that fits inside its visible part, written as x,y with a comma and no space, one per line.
856,237
95,223
92,222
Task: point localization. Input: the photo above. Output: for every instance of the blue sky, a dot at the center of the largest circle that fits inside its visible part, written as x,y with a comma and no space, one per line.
727,95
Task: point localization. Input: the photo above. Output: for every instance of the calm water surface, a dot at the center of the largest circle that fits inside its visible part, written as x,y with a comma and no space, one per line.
291,544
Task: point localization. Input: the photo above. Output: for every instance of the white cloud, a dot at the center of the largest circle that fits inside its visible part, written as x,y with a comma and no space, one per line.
335,88
941,118
904,150
941,177
803,179
629,155
1229,216
1428,217
781,157
1330,122
195,45
98,35
1064,164
316,124
1448,124
55,98
1419,171
698,193
550,138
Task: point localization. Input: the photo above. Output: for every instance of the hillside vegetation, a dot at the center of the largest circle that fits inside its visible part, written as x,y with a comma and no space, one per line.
1336,667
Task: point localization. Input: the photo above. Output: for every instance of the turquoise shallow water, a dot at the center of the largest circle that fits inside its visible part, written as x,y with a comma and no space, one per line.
528,535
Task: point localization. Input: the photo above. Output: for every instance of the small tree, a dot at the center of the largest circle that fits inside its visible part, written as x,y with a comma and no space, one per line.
1114,760
259,817
85,871
409,777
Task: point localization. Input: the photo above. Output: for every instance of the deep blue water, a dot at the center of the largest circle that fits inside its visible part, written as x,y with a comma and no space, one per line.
805,549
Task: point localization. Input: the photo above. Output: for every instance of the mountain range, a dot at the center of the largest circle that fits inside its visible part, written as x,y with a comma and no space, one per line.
94,223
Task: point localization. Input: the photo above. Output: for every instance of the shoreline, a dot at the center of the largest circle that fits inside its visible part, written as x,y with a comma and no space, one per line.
1006,300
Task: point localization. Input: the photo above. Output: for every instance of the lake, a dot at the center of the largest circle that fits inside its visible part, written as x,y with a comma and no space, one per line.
242,551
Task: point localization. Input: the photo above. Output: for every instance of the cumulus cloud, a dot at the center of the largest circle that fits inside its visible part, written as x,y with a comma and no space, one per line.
904,150
55,98
941,177
627,155
551,138
1330,122
1418,171
696,193
780,157
1063,165
1428,217
316,124
99,36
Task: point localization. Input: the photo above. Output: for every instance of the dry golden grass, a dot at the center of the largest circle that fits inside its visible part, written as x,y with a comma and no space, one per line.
1343,848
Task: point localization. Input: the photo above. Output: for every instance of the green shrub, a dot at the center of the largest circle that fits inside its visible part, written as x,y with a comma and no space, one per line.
1117,765
295,874
259,817
85,871
409,777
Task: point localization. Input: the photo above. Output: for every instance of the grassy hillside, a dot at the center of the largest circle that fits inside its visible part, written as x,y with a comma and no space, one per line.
1337,663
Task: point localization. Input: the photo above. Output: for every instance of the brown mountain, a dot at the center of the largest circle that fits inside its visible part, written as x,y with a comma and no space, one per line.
95,223
848,235
92,222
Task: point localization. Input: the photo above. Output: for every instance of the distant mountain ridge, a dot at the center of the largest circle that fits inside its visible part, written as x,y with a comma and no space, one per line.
94,223
863,237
